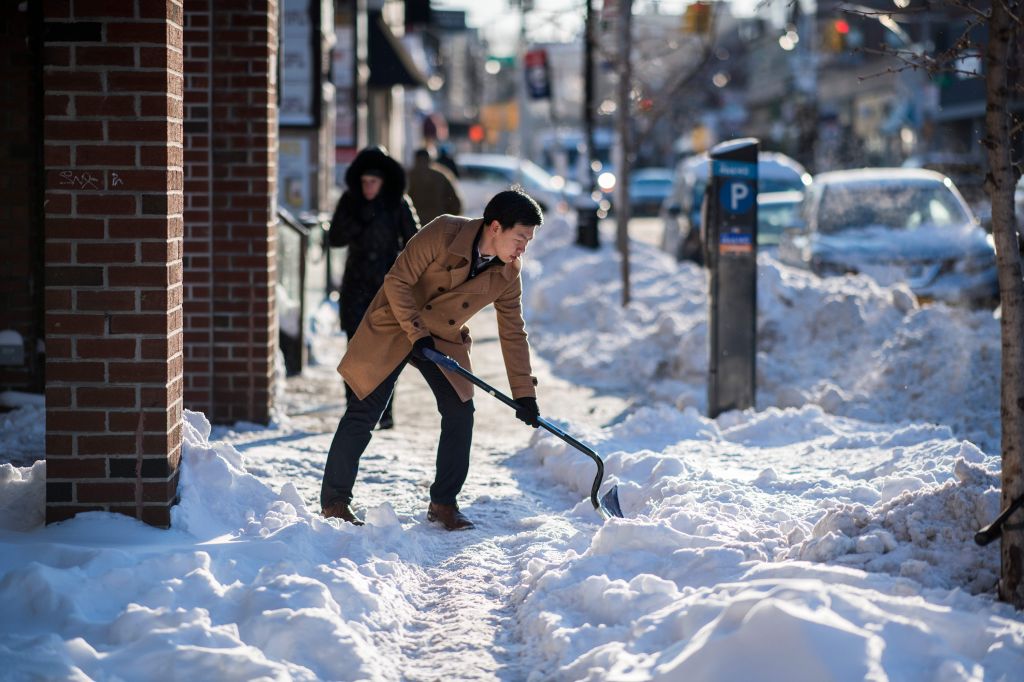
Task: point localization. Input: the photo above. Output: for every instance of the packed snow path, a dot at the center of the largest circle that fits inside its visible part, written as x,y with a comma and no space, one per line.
462,623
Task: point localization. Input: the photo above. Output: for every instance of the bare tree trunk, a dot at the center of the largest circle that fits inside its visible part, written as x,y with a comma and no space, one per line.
625,143
1000,185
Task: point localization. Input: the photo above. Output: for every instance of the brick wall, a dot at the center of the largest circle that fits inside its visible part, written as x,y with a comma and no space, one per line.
113,219
199,338
231,244
21,277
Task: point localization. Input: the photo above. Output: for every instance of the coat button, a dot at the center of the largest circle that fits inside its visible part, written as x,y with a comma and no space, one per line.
429,307
465,305
449,268
452,322
441,289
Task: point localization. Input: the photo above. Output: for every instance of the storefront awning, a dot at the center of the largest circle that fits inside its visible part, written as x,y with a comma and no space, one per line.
389,61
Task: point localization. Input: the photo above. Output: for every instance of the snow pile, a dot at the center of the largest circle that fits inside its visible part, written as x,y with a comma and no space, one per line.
247,585
844,343
23,428
22,496
848,545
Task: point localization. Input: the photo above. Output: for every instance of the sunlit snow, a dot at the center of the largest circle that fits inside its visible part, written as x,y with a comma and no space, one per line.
826,535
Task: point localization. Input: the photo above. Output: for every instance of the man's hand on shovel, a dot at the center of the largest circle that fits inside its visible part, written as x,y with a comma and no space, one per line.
527,411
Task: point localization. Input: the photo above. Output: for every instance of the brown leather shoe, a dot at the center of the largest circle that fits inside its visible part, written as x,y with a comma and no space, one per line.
449,516
340,510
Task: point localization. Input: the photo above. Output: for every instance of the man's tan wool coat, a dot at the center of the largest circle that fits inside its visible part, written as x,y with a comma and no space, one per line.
428,292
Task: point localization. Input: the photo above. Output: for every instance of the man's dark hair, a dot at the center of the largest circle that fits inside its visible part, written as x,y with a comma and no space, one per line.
424,154
513,206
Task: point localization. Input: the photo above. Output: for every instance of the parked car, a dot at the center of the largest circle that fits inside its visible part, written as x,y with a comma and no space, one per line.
481,176
775,212
648,188
681,210
967,171
896,225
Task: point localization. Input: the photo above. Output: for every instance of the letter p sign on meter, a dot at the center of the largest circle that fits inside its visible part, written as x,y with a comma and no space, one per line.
737,196
730,247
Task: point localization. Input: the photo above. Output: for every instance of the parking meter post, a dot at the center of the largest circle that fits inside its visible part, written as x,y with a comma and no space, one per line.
730,229
586,225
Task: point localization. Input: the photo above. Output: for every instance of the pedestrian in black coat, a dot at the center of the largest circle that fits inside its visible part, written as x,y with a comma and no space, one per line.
374,219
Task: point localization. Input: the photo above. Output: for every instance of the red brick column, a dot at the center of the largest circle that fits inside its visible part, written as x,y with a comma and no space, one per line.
231,245
198,308
113,221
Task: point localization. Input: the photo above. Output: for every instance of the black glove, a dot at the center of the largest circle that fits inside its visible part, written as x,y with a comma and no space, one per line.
420,344
528,412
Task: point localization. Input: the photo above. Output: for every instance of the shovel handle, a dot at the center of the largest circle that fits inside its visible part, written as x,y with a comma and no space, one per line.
995,529
451,365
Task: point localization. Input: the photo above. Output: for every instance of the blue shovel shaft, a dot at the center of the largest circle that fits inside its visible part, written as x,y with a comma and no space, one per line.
609,506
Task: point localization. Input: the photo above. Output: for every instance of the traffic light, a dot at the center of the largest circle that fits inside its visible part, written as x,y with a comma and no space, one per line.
836,32
697,18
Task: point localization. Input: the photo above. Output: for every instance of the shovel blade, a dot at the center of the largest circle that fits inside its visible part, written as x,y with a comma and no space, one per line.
610,503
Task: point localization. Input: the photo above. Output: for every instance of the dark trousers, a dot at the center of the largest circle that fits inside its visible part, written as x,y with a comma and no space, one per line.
388,413
354,432
389,410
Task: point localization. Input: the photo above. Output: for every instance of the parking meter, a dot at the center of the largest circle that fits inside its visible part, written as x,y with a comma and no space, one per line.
730,246
586,222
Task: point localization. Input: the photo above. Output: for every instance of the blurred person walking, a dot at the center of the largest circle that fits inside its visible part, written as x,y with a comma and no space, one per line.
453,268
374,219
445,159
432,188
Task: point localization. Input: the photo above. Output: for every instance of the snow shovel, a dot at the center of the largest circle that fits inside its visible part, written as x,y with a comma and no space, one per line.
609,504
994,530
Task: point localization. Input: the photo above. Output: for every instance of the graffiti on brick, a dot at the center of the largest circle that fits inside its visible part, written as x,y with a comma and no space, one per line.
83,180
86,180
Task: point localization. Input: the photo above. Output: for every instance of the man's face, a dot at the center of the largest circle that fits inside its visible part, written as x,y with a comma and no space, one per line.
510,244
371,186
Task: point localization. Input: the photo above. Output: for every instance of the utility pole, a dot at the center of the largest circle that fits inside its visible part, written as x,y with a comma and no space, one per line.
523,96
588,91
586,217
624,143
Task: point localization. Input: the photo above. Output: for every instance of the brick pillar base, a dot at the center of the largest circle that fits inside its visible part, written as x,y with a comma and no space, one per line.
113,222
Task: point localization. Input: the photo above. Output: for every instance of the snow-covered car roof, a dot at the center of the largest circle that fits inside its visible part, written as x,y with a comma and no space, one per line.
496,160
769,164
789,196
878,175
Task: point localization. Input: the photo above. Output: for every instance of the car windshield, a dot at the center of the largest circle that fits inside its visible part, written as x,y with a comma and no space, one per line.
535,175
778,185
897,206
773,218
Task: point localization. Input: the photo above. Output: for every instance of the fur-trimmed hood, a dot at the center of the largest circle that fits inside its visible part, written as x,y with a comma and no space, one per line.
391,171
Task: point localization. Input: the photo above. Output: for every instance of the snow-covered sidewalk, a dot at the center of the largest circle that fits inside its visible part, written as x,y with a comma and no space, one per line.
824,536
253,583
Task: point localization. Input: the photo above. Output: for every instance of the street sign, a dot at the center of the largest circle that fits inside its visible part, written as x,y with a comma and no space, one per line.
538,81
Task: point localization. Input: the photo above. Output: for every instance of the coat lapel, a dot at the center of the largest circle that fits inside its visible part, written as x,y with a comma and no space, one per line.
460,254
